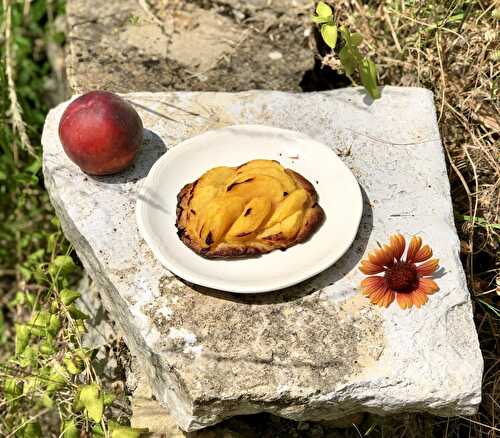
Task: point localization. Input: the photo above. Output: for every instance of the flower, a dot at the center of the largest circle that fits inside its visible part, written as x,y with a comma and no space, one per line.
407,280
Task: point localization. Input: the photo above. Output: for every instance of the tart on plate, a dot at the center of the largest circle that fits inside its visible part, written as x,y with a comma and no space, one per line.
253,209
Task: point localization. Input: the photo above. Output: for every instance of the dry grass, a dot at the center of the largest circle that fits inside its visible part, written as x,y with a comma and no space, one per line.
451,47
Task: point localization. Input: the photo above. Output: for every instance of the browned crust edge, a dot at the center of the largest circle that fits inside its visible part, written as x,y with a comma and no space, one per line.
313,220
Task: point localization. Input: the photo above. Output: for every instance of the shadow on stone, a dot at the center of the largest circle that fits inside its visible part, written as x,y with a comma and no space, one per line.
367,99
322,78
440,273
326,278
152,149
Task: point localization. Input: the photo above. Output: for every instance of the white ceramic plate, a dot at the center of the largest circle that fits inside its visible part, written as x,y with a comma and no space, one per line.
339,195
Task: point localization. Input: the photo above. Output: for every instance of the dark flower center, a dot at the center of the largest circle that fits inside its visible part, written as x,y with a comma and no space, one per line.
402,277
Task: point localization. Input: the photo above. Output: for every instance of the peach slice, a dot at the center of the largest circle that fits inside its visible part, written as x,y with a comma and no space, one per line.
291,225
293,202
202,196
217,176
260,164
284,230
254,214
218,217
285,180
259,186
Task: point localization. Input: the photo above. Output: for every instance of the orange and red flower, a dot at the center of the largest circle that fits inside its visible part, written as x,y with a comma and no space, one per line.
406,281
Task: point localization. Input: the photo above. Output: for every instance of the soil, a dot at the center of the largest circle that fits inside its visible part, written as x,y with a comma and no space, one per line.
204,45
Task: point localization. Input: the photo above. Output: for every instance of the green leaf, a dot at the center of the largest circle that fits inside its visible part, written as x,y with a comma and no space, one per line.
57,378
97,430
25,272
320,20
74,364
119,431
356,39
323,10
31,430
47,401
63,265
54,325
480,221
68,296
37,255
23,333
39,272
48,346
34,167
69,429
40,318
80,327
58,38
12,387
28,357
345,34
82,353
31,384
39,322
54,306
368,73
52,241
30,299
92,400
76,313
347,60
19,298
329,34
108,398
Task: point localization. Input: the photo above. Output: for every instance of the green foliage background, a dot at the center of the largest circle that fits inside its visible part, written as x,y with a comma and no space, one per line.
48,384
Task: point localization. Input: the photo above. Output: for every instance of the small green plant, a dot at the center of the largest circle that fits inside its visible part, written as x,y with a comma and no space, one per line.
48,384
348,53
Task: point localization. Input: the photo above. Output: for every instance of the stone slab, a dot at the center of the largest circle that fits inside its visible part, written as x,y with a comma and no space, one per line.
317,351
149,413
158,45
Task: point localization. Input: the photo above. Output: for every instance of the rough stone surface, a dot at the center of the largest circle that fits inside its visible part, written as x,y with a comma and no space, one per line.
149,413
100,330
317,351
159,45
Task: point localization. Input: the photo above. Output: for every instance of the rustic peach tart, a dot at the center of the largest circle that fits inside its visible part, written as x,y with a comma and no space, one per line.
260,206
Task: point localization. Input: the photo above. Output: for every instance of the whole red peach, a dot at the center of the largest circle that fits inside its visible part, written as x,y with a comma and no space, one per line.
101,133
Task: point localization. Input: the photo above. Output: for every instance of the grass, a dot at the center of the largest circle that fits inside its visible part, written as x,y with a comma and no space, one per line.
448,46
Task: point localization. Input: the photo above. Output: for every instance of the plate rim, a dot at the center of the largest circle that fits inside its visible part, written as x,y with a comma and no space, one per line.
191,276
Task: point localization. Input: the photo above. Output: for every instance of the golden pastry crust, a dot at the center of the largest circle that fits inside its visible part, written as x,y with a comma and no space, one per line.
246,211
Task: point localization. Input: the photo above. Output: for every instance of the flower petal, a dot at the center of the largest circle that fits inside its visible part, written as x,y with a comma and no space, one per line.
413,248
381,256
427,286
368,268
423,254
373,280
427,268
389,255
419,298
388,298
398,245
379,296
404,300
372,283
